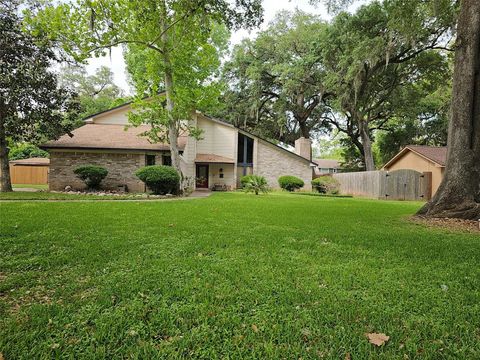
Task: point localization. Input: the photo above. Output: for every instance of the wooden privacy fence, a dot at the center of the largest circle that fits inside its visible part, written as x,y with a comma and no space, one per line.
29,171
402,184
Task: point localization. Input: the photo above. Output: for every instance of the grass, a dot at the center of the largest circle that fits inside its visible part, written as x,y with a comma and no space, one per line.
234,276
31,186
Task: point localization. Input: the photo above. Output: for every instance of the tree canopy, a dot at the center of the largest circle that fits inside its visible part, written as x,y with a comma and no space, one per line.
32,105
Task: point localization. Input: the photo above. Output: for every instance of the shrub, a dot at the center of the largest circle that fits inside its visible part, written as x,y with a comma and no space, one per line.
25,151
326,185
92,175
245,179
161,179
254,183
290,183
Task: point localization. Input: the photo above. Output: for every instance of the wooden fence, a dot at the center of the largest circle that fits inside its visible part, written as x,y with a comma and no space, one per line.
402,184
29,174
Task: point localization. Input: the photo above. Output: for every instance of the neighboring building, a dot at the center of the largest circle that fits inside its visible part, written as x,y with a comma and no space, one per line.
326,166
223,155
422,159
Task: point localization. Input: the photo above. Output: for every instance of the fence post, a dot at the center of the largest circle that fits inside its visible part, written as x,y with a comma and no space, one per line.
427,185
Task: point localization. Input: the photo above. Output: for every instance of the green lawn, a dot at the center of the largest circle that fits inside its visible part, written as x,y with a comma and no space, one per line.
234,276
31,186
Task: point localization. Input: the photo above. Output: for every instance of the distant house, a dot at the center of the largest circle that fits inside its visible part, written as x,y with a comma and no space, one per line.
326,166
422,159
219,159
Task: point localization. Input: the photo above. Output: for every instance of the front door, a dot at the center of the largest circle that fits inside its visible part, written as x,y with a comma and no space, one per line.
202,176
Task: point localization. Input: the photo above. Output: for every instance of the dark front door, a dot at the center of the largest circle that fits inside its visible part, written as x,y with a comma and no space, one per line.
202,176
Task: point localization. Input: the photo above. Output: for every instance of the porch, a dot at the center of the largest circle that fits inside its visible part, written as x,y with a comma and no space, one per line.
214,172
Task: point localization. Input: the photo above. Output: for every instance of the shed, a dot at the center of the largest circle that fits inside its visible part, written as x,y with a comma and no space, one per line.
30,171
422,159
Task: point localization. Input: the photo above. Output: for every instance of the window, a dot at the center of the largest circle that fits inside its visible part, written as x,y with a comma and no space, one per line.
167,160
245,149
149,160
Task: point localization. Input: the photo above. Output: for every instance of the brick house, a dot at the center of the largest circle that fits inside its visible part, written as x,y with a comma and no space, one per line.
219,159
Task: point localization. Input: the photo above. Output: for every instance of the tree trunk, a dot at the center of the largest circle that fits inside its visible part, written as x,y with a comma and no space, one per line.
366,144
169,90
459,193
5,181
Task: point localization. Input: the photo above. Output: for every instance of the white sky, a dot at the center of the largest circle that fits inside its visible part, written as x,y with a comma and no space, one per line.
271,7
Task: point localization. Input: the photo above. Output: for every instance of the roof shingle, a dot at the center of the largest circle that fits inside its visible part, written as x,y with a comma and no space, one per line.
102,136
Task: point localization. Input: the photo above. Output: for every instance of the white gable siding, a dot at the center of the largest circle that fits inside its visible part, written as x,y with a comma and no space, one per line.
217,139
114,117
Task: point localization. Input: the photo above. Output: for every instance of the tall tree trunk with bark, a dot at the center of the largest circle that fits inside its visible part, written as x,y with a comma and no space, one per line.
5,181
169,90
459,193
366,144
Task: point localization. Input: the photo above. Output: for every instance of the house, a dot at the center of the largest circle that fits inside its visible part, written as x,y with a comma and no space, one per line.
326,166
422,159
220,158
29,171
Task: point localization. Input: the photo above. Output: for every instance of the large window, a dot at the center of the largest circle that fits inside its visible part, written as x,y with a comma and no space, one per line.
245,150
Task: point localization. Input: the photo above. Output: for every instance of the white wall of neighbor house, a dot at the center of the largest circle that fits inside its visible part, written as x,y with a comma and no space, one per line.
216,139
273,162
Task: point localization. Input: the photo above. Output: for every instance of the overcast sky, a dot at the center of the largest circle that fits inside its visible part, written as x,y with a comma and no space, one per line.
271,7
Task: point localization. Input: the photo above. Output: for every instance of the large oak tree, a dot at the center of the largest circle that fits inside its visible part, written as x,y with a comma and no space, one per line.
32,105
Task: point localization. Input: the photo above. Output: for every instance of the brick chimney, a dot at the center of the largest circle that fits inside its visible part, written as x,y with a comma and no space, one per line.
303,147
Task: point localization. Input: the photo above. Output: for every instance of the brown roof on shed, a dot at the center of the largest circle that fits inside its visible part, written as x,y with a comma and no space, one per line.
436,154
31,161
102,136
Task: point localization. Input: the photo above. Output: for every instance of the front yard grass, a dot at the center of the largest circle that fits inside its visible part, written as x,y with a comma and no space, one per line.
234,276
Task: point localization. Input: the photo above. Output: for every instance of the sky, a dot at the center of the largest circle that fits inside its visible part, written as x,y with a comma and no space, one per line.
271,7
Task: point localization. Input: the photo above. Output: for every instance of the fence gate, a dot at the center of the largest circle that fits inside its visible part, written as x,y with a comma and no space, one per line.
408,184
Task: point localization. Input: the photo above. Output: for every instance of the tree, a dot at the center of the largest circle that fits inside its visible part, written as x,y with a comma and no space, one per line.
32,106
162,27
276,82
96,92
459,193
374,61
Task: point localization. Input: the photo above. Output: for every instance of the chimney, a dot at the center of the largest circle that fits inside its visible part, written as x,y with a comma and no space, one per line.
303,147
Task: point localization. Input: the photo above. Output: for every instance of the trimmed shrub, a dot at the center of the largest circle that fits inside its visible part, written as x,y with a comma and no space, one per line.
290,183
255,184
326,185
161,179
91,175
245,179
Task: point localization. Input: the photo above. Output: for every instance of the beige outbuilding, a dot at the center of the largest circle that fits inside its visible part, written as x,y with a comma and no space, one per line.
422,159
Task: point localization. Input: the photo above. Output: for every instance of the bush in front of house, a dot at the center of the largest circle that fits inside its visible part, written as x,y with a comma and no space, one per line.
290,183
255,183
161,179
91,175
326,185
245,179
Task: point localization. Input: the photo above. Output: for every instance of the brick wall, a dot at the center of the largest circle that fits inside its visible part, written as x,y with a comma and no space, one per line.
273,163
121,168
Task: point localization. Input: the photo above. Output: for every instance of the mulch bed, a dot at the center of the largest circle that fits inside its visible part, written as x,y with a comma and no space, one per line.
447,223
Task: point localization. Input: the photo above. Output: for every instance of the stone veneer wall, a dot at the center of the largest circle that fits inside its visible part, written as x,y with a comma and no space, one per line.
120,165
273,163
